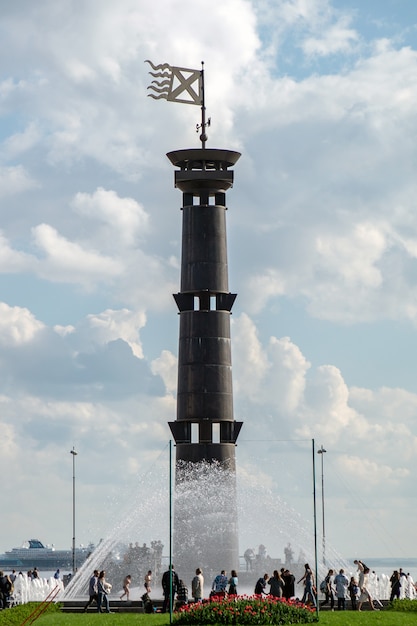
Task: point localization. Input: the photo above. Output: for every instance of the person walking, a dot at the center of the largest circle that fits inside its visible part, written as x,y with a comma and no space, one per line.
92,590
126,586
308,580
103,589
363,586
148,580
328,590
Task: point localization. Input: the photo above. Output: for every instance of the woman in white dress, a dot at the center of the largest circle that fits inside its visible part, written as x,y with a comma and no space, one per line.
363,586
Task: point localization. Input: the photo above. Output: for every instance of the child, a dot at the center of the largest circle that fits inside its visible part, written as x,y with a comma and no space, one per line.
353,592
126,585
148,579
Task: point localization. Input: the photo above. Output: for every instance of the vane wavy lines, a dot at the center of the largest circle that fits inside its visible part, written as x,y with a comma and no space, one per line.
161,66
151,95
163,91
161,83
157,90
160,87
160,74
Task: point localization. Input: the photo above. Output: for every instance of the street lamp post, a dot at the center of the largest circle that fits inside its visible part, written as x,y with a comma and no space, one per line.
74,454
322,452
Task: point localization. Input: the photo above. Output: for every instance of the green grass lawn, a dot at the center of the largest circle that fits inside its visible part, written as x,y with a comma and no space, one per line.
382,618
345,618
15,618
122,619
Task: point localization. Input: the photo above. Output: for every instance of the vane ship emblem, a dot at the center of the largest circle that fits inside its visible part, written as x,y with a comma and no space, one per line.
176,84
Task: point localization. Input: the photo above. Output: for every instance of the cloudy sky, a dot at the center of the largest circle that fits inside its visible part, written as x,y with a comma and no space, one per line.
320,98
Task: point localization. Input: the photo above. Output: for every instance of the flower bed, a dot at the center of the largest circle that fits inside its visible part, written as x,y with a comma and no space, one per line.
246,610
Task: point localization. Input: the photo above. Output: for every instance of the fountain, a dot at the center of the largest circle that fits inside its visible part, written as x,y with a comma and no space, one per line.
264,519
203,501
34,590
205,508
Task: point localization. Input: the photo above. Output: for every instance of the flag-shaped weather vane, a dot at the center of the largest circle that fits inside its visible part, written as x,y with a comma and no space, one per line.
180,84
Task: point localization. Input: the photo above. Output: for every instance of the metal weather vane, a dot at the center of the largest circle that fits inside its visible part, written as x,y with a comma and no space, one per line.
180,84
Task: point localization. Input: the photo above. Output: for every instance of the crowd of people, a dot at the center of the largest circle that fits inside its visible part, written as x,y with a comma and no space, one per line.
359,589
336,587
99,590
282,584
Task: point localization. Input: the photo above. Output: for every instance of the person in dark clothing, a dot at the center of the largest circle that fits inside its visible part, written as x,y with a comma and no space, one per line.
147,603
92,590
260,585
169,594
353,592
395,581
277,585
182,595
328,590
5,590
233,581
289,584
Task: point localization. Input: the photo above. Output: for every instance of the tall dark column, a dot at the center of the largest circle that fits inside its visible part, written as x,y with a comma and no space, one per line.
205,431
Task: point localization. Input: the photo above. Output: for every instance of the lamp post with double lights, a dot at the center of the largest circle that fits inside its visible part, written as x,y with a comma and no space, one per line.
74,454
322,452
